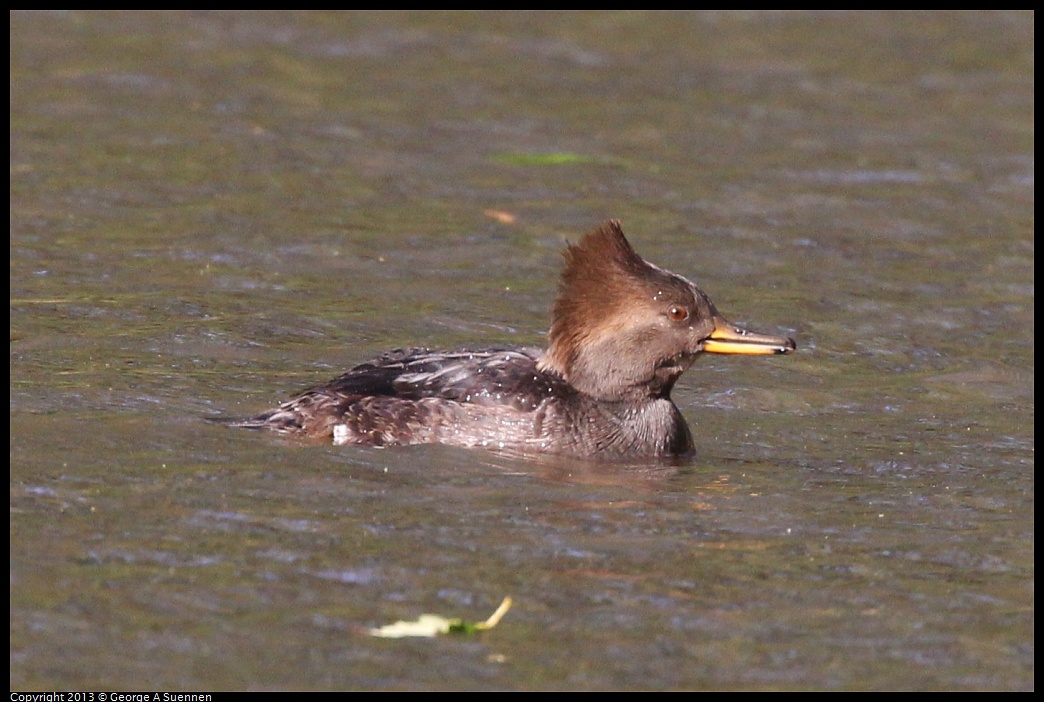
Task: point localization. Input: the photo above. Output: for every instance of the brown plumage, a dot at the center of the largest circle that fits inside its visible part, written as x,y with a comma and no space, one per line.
622,332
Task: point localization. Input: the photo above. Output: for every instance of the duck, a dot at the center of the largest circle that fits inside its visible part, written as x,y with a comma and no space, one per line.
622,332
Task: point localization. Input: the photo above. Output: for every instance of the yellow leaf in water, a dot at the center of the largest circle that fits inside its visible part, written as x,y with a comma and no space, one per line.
429,625
426,625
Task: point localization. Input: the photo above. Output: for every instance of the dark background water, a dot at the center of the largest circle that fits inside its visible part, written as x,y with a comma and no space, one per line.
211,211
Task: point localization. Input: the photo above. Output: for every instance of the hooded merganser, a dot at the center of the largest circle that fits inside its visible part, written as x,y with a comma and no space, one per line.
622,331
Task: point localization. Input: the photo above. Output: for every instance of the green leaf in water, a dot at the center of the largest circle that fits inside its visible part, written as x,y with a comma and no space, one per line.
556,158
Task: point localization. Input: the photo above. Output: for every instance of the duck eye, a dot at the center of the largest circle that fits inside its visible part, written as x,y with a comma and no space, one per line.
678,313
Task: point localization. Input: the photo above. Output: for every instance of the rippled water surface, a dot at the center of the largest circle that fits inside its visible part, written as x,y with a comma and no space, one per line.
211,211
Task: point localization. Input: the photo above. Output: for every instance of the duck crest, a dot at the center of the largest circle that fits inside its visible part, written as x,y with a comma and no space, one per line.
602,272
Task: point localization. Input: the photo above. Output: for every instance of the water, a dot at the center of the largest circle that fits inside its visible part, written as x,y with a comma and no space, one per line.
211,211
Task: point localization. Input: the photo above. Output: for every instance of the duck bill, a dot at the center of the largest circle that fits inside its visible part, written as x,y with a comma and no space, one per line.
729,338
